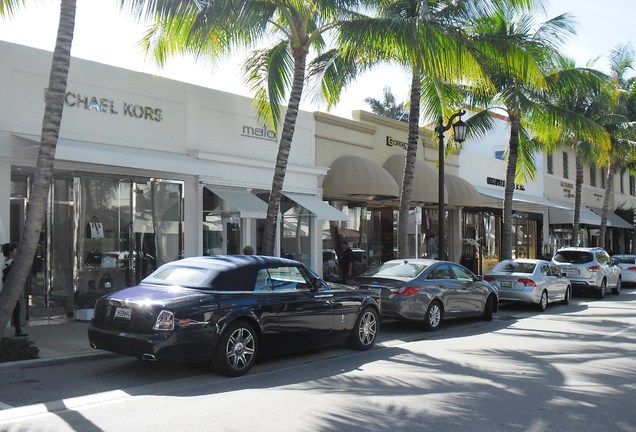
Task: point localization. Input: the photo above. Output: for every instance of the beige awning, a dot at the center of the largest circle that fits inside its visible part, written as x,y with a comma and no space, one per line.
461,193
425,179
356,177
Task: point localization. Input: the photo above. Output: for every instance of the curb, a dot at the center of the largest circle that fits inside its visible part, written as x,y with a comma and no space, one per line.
61,359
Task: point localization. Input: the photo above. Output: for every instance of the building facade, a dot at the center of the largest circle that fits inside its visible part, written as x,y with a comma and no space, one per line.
147,170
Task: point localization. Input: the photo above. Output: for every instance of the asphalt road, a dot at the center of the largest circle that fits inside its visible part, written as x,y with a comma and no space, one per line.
570,368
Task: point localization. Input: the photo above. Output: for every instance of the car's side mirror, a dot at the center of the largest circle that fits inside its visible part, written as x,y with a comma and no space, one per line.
478,278
564,274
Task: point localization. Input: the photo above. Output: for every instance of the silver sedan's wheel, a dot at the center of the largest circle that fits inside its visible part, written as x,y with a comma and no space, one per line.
617,290
365,330
236,351
566,296
543,302
433,317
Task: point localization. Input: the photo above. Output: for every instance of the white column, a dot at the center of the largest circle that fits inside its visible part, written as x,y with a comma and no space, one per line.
193,217
5,202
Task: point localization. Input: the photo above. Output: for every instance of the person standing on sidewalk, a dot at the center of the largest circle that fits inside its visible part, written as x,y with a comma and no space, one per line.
9,251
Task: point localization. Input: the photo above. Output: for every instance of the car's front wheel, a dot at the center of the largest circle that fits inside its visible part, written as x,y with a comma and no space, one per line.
434,315
236,352
366,329
602,290
543,301
617,290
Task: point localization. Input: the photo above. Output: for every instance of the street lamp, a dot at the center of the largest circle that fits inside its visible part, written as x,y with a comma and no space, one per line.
459,133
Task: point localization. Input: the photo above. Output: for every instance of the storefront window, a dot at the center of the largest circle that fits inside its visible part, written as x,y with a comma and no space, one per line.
296,232
100,234
221,226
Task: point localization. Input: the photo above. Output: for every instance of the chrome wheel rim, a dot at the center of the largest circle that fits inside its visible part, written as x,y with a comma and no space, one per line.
434,316
368,328
544,300
240,349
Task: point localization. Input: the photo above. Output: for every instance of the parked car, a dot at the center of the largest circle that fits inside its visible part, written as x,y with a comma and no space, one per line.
429,291
229,310
589,268
532,281
627,264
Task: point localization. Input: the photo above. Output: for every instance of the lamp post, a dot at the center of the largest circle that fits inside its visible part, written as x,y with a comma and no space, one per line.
459,132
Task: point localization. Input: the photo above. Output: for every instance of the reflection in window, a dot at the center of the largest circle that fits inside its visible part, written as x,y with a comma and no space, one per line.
296,231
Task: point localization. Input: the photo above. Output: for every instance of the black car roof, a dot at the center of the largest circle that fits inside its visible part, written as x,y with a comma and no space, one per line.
229,272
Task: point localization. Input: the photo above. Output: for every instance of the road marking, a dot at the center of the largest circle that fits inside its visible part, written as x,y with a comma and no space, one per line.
616,333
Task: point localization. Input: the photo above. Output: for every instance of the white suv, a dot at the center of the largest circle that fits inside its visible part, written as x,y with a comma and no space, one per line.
589,268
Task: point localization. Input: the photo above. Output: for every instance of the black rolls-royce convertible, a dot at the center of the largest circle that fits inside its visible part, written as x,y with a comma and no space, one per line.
229,310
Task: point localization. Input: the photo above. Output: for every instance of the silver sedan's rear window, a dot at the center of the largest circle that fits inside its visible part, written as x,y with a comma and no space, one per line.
397,270
514,267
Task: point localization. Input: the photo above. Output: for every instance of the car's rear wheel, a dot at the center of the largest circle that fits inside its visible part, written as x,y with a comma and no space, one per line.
489,307
434,315
566,296
236,352
366,329
602,290
543,302
617,290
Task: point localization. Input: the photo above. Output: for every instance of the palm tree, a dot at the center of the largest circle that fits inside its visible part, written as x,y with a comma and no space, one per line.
428,38
579,90
388,107
289,30
622,152
46,155
526,99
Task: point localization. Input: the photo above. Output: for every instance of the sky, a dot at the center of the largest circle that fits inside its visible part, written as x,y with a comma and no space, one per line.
105,35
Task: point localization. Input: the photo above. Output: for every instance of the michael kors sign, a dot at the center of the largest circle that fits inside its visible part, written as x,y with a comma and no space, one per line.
109,106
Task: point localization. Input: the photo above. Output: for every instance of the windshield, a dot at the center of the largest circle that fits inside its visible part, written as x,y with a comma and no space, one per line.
400,269
514,267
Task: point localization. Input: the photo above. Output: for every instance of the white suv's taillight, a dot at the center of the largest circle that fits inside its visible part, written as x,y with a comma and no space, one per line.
165,321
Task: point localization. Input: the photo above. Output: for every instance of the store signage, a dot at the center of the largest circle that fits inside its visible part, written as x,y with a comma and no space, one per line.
259,133
109,106
502,183
391,142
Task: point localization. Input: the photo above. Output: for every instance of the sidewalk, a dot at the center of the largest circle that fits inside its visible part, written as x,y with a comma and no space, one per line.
57,340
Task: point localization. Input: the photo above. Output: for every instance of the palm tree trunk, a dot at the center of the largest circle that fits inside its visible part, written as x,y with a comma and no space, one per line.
511,170
578,186
36,212
606,201
409,167
284,147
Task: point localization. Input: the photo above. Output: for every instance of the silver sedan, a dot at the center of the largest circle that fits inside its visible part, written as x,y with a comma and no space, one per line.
429,291
531,281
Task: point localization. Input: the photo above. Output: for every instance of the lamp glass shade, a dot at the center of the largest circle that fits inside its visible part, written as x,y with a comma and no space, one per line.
459,131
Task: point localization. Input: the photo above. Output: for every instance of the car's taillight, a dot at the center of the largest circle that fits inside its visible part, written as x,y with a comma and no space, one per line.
594,268
631,268
165,321
490,279
527,282
408,290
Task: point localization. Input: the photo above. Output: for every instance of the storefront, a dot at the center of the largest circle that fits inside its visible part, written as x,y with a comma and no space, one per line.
147,170
366,159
